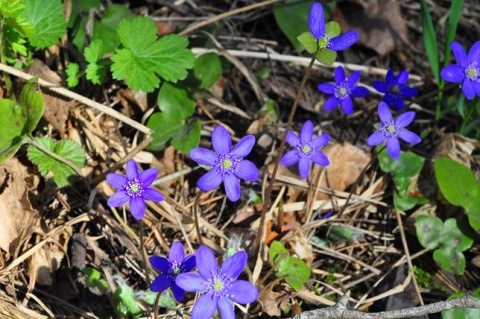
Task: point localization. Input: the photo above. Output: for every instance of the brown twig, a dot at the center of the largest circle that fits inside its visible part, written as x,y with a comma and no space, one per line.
340,310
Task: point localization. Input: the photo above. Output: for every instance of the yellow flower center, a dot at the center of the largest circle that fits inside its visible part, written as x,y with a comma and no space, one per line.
472,73
306,149
391,129
217,285
227,164
134,188
323,43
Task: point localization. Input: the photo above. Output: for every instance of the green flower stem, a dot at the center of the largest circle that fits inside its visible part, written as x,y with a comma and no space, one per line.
155,306
466,120
3,59
266,200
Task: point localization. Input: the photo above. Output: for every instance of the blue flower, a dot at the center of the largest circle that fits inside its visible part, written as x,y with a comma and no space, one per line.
218,287
173,266
394,89
316,23
134,188
306,149
467,71
343,90
390,130
227,163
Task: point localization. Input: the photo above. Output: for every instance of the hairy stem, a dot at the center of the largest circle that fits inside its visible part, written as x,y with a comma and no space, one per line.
3,58
268,195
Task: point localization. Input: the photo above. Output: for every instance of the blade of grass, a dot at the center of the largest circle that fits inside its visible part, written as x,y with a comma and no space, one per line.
430,40
453,18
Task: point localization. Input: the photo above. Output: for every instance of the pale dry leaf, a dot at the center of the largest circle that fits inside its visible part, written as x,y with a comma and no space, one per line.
47,260
379,23
456,147
301,247
18,216
346,164
56,106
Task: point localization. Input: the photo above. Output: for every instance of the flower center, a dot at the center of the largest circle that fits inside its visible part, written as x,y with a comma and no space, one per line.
342,91
175,269
218,285
389,129
305,150
472,72
394,89
134,188
323,43
226,164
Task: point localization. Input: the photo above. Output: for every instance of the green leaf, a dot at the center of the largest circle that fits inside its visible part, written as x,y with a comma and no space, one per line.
145,57
332,29
338,233
326,56
72,73
429,230
462,313
66,149
408,165
175,101
92,274
450,260
125,303
453,18
296,270
95,71
277,251
454,238
430,40
11,129
11,8
106,29
188,138
78,21
308,42
32,105
46,16
291,17
207,69
164,128
460,187
166,299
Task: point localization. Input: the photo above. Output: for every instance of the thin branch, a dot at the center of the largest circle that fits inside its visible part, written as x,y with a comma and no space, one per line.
77,97
340,310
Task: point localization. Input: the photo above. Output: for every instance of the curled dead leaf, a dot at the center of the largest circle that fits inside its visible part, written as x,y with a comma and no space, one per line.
18,216
379,23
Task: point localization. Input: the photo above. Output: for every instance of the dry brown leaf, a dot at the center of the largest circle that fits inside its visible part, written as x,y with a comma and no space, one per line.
56,106
270,303
380,23
47,260
18,216
456,147
346,163
301,247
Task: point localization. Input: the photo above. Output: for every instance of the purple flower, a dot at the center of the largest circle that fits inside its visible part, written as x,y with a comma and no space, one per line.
306,149
219,287
173,266
227,163
316,23
467,71
342,91
390,130
394,89
134,188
